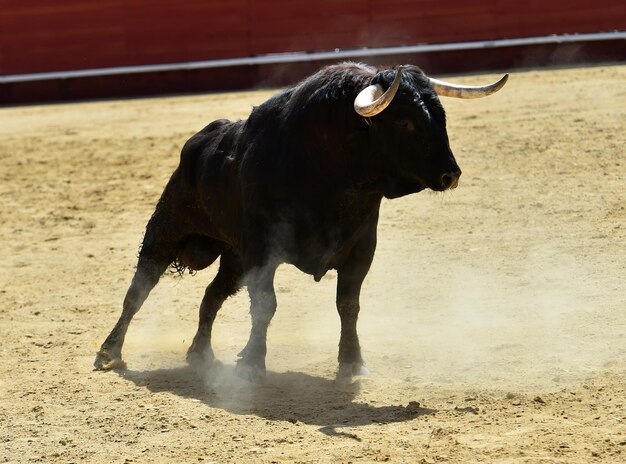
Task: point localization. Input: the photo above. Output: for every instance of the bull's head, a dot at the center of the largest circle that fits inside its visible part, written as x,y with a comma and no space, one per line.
411,132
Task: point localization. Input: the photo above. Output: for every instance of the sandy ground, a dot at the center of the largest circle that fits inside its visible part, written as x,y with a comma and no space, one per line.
493,319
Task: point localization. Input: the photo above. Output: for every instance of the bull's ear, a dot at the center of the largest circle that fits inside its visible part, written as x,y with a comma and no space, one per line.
372,100
447,89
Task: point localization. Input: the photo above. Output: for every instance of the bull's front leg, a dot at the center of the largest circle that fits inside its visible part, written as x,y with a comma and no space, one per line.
350,278
260,282
350,359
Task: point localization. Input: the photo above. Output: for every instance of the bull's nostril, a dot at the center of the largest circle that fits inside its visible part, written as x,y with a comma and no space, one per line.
449,180
446,180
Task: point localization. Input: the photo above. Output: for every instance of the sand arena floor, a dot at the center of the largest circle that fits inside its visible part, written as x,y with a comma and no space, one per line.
493,319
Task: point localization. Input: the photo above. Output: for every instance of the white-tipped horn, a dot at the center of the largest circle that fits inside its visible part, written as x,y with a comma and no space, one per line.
372,100
446,89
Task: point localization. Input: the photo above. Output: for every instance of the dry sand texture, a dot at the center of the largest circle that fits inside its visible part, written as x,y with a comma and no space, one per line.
493,319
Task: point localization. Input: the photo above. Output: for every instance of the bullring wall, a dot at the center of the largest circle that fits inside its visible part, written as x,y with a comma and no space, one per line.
42,36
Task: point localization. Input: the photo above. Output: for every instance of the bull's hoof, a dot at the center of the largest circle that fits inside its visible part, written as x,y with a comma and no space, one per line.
201,358
348,370
106,362
250,372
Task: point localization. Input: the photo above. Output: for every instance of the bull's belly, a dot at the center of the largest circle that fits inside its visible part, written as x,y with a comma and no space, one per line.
317,269
317,260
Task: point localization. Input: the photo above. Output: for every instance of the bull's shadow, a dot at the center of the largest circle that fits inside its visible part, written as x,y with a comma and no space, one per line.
289,396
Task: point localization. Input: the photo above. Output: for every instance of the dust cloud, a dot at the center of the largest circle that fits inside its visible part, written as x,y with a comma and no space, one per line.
527,326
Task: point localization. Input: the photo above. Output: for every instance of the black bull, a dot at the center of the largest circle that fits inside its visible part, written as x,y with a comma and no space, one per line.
299,182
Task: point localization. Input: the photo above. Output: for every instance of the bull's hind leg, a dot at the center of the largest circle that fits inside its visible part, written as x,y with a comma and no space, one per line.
158,251
149,270
226,283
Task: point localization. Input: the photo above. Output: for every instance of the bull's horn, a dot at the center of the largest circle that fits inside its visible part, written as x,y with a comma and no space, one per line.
446,89
372,100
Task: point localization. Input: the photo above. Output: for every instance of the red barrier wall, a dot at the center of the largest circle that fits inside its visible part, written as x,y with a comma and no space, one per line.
46,35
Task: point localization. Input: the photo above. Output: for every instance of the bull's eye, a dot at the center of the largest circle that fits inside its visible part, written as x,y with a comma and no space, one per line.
404,124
